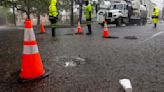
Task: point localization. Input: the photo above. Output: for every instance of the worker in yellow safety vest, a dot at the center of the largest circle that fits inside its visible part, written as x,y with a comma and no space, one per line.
53,15
155,16
88,15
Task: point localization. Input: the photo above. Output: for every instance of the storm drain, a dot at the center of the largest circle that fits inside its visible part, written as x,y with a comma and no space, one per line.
131,37
70,61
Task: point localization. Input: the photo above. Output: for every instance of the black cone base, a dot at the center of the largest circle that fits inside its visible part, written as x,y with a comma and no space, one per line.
111,37
22,80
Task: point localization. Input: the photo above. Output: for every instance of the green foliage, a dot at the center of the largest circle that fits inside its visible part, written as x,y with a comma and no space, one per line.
9,17
3,15
28,6
34,6
64,5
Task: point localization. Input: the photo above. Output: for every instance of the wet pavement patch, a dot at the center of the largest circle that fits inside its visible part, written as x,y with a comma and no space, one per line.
69,34
131,37
70,61
79,33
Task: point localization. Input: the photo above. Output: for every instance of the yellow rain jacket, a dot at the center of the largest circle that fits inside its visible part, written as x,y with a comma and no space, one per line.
52,8
155,15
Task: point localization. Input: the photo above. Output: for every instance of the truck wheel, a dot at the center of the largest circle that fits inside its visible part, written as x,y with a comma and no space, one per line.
119,22
139,22
102,25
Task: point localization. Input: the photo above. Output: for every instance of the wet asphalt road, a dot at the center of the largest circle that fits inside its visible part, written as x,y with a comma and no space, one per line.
106,60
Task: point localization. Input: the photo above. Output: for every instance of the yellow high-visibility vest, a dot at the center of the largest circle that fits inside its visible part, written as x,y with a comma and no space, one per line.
52,8
155,15
88,9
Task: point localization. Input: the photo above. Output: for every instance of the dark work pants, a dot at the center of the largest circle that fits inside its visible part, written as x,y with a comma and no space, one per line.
53,31
155,25
53,23
89,26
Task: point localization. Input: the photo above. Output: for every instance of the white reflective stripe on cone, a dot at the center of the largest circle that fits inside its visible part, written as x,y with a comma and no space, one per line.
29,34
30,49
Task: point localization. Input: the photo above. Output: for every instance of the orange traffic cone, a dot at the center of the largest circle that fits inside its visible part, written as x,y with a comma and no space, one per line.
42,30
79,29
106,31
32,67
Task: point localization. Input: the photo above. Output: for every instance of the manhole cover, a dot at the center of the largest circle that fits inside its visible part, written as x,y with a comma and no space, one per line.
131,37
72,61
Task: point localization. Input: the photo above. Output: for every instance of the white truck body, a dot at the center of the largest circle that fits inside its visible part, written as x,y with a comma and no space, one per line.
122,11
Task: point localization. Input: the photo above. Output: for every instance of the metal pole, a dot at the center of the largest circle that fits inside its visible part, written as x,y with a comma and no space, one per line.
163,11
72,15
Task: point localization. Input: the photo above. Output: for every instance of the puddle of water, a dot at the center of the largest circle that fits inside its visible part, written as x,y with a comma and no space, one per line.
69,34
70,61
70,64
80,59
131,37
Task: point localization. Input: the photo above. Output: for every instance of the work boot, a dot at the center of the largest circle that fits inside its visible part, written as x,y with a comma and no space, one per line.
53,32
88,33
155,25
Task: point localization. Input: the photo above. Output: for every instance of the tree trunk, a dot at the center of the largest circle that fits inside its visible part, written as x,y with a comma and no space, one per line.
28,14
28,11
14,17
80,13
38,21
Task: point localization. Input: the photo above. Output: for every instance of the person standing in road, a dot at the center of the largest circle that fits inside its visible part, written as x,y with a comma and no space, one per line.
53,15
88,15
155,16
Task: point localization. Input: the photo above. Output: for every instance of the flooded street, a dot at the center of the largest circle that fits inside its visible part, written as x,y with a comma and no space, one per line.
81,63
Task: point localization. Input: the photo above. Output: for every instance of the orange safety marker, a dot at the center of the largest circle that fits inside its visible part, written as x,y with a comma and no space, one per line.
42,30
106,31
79,29
32,67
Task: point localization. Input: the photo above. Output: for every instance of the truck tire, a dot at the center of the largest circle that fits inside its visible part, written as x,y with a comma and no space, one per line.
119,22
139,22
142,22
102,25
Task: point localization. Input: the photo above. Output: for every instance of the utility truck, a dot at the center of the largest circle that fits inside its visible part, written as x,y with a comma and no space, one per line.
123,12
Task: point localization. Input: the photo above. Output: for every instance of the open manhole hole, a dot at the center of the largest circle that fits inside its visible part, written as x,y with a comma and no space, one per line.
70,61
131,37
